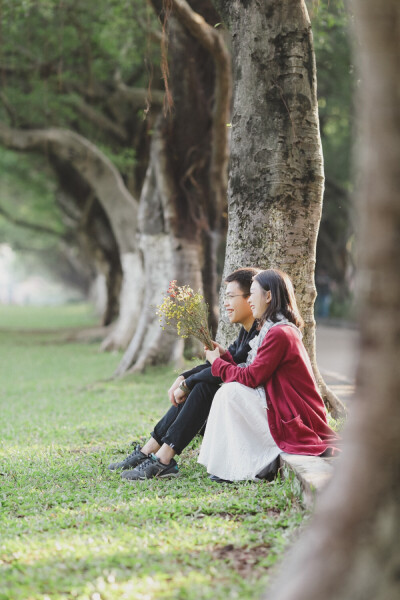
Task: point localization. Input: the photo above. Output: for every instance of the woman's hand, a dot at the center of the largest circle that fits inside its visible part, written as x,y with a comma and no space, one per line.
221,349
211,355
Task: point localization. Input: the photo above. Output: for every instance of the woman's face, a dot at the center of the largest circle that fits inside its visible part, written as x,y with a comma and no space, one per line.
258,300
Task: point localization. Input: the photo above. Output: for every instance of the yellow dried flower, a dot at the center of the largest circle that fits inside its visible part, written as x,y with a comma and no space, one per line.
186,311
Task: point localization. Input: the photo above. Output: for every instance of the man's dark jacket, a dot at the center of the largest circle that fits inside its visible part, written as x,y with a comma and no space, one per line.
238,350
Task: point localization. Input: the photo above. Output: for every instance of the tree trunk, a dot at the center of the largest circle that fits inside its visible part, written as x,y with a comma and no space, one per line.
166,255
83,214
180,215
276,174
352,547
120,207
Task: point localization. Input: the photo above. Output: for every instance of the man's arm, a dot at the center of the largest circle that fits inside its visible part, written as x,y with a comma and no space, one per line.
239,350
196,369
203,376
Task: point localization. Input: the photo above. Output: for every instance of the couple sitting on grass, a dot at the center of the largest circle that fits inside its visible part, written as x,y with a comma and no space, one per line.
269,401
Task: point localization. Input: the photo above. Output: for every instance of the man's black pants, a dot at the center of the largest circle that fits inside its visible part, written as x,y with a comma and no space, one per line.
181,423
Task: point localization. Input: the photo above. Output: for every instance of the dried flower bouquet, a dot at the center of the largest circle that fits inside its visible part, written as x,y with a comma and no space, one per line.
187,311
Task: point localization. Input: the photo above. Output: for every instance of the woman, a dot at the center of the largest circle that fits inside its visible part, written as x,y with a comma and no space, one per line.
270,404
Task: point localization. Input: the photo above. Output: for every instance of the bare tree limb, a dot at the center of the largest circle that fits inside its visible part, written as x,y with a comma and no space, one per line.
100,120
137,97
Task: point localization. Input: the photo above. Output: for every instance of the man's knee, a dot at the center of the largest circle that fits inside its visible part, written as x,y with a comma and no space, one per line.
203,391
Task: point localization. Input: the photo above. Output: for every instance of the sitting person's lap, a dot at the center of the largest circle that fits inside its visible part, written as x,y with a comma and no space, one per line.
237,444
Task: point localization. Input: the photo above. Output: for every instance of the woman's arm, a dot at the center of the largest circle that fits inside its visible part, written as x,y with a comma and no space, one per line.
269,356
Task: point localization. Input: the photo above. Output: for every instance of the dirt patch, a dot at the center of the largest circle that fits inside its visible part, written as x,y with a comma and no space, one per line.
85,450
243,559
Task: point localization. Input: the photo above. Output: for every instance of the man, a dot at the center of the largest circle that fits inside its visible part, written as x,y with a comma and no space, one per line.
192,393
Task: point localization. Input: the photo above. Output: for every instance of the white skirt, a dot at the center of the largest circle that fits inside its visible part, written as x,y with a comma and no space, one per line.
237,443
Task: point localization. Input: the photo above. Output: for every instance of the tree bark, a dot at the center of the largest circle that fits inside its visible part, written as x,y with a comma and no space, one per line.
352,547
276,177
181,202
213,41
117,202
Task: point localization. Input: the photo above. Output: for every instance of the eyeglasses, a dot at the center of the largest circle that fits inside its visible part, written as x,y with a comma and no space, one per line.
230,296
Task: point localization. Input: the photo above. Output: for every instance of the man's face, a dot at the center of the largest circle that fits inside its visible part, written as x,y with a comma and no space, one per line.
236,305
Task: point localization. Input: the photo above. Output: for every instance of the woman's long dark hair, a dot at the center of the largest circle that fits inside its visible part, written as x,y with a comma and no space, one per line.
283,299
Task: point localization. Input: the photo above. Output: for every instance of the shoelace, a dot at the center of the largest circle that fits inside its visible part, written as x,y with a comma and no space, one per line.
145,464
132,454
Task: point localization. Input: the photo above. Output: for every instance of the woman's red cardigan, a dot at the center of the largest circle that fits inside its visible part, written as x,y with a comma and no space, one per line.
296,412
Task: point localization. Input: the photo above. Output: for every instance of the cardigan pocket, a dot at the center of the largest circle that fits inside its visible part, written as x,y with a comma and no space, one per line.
295,431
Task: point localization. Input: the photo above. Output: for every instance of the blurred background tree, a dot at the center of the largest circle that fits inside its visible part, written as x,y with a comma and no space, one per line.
94,68
78,80
83,67
335,268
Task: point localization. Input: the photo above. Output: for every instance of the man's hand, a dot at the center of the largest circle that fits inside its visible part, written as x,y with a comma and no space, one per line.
173,387
179,397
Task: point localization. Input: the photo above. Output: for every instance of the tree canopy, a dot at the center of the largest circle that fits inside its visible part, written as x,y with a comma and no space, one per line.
93,68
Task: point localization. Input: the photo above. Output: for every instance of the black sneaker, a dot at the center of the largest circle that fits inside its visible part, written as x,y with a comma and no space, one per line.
217,479
131,461
152,467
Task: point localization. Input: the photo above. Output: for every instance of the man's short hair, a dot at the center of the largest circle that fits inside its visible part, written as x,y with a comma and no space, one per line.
243,277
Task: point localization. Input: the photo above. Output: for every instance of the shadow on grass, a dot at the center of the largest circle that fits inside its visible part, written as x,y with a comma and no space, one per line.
154,572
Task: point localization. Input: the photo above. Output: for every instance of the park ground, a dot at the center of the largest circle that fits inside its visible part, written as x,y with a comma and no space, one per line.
70,528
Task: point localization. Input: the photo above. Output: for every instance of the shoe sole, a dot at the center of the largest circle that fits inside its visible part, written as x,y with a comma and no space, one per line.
130,468
125,467
156,477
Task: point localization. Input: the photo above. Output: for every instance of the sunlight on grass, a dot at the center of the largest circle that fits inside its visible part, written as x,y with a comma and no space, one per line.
47,317
70,528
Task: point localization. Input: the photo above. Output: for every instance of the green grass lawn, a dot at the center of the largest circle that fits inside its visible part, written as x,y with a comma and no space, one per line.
71,529
49,317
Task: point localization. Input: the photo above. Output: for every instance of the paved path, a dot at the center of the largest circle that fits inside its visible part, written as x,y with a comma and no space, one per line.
337,356
337,359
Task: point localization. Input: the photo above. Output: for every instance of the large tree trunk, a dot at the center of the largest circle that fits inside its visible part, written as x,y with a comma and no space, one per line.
182,199
276,175
166,255
118,204
352,547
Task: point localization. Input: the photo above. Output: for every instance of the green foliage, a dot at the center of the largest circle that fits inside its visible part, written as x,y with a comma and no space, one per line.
51,49
27,193
335,73
54,57
122,158
70,528
336,82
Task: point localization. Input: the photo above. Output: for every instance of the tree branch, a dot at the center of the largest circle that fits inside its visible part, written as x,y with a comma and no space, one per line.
137,97
212,40
92,164
97,118
31,226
